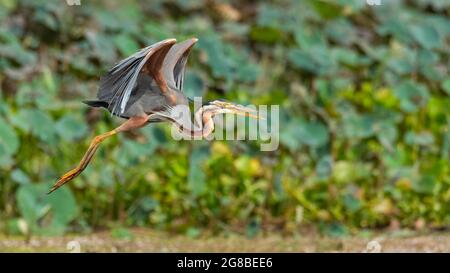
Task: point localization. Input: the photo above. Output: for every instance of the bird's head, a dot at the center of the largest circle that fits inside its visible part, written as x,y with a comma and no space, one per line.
224,107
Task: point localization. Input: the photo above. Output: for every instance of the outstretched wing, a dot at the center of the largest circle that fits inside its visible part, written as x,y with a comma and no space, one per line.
175,63
117,85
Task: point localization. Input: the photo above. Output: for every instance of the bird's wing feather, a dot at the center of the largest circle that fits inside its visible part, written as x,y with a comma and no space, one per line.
175,63
117,85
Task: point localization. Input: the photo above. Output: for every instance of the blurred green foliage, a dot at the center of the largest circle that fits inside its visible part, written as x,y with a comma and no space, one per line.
364,92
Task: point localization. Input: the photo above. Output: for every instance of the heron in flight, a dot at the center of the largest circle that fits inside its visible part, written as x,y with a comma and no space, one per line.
146,87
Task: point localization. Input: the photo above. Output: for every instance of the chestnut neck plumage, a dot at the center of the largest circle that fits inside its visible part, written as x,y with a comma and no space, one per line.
203,123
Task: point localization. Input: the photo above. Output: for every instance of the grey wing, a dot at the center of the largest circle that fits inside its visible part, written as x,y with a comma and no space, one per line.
175,63
117,85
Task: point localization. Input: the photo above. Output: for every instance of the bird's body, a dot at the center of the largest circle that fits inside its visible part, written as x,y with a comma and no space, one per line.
147,94
147,87
146,100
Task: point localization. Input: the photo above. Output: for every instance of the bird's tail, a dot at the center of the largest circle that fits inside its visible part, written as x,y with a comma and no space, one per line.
96,103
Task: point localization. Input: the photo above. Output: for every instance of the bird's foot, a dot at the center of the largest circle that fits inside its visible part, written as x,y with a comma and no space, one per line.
65,178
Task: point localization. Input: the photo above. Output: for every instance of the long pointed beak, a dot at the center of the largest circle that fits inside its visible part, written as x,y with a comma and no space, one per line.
245,111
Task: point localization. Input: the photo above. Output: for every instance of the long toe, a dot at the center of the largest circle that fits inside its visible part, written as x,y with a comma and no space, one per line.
64,179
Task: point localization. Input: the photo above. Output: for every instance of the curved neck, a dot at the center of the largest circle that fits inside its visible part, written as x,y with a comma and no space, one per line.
203,124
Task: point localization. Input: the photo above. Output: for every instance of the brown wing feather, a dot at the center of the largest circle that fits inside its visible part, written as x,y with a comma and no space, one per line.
117,85
154,67
175,62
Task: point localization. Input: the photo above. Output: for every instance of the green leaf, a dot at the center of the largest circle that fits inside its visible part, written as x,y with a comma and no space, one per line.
19,176
9,141
194,85
220,65
103,48
226,62
70,128
317,60
428,65
38,122
313,134
17,226
274,17
289,137
412,95
268,35
345,172
41,125
303,61
341,31
63,206
49,81
197,177
133,151
46,18
336,230
122,233
424,184
126,44
349,57
31,205
108,20
193,232
427,36
446,86
396,28
10,47
46,214
324,167
387,134
299,132
422,138
8,4
253,228
5,159
308,39
157,31
352,204
358,126
326,9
